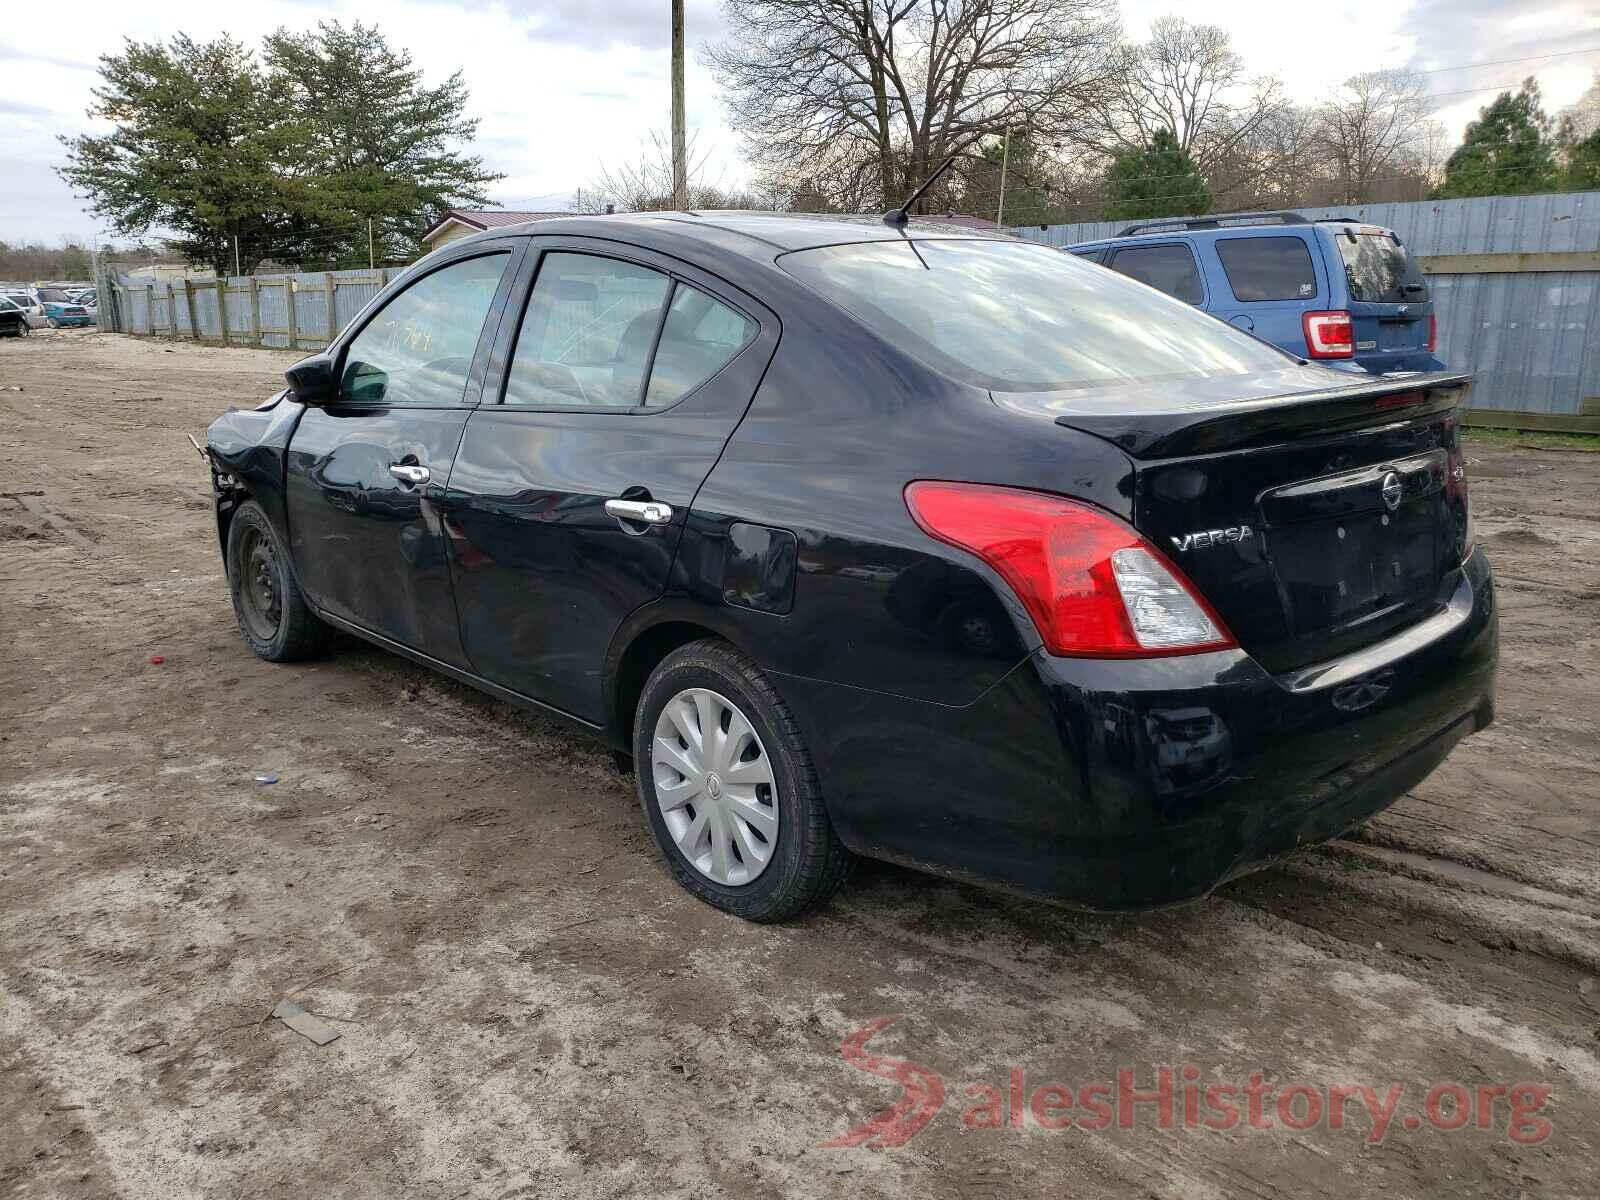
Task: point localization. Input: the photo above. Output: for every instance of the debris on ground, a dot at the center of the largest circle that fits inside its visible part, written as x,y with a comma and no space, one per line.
305,1024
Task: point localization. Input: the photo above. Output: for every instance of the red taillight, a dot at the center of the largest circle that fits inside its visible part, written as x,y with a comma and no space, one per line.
1094,587
1329,334
1433,333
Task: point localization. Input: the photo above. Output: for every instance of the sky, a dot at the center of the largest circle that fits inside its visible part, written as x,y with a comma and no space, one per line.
565,87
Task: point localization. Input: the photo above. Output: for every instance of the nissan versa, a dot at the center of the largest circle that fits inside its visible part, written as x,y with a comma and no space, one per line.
881,538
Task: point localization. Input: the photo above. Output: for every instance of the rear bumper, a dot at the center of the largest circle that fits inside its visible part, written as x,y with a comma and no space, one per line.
1123,785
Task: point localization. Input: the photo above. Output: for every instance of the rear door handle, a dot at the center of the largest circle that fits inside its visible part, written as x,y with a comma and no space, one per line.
410,473
645,512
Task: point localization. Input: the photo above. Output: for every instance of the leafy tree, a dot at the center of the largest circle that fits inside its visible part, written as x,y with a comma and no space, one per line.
1507,151
202,146
379,145
1028,178
1157,181
75,262
1583,164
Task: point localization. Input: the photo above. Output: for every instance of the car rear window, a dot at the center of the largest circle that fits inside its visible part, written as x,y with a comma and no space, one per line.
1170,268
1378,269
1015,317
1268,268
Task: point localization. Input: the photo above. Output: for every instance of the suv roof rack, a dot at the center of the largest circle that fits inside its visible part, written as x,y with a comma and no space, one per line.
1218,220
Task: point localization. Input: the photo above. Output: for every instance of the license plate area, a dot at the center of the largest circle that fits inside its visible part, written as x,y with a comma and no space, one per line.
1398,335
1355,545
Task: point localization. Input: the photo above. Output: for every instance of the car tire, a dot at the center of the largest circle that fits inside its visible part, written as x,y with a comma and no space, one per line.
274,618
54,324
807,862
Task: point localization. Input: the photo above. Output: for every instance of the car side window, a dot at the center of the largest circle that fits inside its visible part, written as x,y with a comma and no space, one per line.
418,350
1268,268
701,337
1170,267
588,334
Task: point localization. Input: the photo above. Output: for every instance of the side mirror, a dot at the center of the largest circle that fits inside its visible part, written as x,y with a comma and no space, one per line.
312,380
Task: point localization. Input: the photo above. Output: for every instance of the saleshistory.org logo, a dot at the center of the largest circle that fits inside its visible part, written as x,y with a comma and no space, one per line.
1176,1098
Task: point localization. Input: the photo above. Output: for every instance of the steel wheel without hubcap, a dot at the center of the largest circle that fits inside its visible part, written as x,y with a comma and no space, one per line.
258,585
715,786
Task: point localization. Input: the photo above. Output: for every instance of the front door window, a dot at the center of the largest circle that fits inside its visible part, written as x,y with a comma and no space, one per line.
418,350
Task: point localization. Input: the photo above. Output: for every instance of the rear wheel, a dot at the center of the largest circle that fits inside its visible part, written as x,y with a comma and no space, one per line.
729,789
274,618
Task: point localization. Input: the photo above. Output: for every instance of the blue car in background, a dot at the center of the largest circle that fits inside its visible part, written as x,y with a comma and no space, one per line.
1337,291
61,309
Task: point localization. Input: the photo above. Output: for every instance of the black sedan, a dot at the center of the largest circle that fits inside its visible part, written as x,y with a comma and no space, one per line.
884,539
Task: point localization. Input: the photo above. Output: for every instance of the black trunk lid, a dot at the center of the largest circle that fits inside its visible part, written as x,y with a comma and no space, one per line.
1315,522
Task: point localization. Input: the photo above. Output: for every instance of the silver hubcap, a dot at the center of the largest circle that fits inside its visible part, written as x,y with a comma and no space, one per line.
715,787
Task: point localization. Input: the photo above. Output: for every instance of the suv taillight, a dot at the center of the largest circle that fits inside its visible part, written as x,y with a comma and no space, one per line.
1094,587
1433,333
1329,334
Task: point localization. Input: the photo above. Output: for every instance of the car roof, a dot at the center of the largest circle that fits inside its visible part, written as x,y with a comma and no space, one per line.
764,232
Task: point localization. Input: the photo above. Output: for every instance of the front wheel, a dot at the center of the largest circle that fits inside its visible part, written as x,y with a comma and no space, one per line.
729,789
274,618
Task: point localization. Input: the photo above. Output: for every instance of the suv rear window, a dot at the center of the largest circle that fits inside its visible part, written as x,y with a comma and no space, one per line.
1268,268
1170,268
1378,269
1015,317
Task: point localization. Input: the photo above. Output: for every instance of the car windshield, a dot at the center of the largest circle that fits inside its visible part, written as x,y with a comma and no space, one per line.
54,296
1017,317
1378,269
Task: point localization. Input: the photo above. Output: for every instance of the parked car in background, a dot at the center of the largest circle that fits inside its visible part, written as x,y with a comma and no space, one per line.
13,321
60,309
1337,291
30,306
89,301
865,537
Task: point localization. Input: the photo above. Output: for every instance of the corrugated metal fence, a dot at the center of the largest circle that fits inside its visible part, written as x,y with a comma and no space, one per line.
1515,282
300,311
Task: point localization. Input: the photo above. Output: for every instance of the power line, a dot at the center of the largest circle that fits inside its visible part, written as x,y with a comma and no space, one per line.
1504,62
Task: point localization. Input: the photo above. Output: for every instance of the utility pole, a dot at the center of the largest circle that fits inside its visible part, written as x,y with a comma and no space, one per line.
236,270
680,164
1005,160
371,262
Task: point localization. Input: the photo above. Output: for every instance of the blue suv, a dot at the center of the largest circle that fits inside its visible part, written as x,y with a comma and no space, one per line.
1338,291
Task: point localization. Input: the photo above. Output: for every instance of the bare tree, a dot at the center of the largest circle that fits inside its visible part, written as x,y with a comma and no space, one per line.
1188,80
821,89
1375,126
646,183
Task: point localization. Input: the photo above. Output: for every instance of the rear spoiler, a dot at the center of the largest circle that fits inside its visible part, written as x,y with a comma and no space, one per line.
1209,428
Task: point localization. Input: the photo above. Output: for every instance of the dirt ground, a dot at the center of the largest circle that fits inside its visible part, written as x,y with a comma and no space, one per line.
531,1007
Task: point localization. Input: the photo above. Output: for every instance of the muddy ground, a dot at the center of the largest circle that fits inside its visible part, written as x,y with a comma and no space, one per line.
531,1007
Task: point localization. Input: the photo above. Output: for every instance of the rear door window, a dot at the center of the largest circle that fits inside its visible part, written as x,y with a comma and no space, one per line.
1170,267
1268,268
588,335
701,337
1378,269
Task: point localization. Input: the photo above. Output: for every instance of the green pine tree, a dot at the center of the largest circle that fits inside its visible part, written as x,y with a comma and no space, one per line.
1507,151
202,147
1157,181
383,146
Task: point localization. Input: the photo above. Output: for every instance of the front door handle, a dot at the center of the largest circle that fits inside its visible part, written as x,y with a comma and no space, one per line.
410,473
645,512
